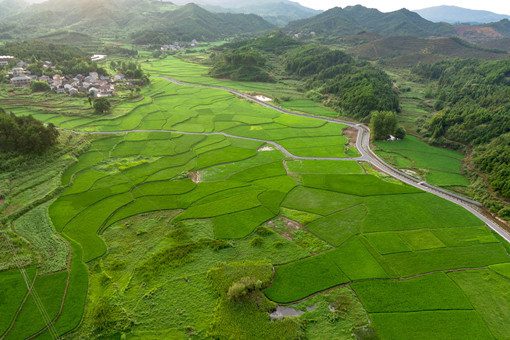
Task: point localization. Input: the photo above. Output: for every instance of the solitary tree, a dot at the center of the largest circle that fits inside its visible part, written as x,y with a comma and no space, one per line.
39,86
102,105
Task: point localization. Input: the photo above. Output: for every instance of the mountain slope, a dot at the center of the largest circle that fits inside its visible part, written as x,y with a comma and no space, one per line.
476,33
277,12
353,19
193,22
121,18
9,7
409,51
454,15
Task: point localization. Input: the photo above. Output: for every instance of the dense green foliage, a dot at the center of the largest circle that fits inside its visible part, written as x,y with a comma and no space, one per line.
241,66
383,124
353,19
193,22
102,105
330,76
66,59
494,159
146,21
39,86
474,103
25,134
41,50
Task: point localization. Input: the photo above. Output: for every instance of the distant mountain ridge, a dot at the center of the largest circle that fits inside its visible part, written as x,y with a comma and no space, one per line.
9,7
354,19
122,18
456,15
277,12
409,51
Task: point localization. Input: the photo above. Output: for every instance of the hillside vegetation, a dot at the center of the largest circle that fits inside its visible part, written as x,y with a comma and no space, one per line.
277,12
353,19
409,51
329,76
474,103
150,21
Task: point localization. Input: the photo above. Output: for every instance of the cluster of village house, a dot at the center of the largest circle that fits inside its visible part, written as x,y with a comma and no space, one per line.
176,46
92,84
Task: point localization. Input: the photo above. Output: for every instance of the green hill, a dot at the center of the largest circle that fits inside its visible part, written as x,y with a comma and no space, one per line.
9,7
121,18
193,22
409,51
353,19
277,12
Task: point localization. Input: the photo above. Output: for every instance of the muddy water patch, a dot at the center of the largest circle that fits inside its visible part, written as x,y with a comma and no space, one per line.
286,311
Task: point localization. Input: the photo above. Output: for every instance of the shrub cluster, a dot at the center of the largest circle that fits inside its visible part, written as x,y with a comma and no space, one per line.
25,134
242,287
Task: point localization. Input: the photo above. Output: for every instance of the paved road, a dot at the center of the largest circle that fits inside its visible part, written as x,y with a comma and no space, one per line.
276,145
363,146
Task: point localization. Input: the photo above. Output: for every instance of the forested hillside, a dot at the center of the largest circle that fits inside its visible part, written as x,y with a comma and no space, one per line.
409,51
8,7
193,22
330,76
24,135
277,12
65,58
353,19
473,99
147,19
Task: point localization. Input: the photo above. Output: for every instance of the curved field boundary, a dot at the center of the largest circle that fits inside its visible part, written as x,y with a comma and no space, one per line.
276,145
363,146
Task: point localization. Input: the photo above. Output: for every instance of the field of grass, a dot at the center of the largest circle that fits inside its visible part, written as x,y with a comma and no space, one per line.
306,166
438,166
421,210
488,293
340,226
384,296
455,324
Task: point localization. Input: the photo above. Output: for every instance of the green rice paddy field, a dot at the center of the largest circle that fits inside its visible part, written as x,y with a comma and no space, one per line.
438,166
154,227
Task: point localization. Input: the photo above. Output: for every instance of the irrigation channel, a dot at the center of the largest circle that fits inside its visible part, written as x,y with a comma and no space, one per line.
363,146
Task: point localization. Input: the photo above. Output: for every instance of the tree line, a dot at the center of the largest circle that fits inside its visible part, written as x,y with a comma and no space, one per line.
25,134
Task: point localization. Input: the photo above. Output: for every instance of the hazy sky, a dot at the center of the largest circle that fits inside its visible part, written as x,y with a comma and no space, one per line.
497,6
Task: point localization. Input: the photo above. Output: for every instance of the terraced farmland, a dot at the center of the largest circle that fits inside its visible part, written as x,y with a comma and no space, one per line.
438,166
189,191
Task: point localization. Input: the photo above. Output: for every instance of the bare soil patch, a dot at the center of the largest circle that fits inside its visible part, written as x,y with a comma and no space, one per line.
194,176
11,209
352,134
285,227
266,148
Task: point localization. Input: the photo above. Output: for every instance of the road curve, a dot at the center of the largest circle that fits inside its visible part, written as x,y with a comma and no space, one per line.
367,154
276,145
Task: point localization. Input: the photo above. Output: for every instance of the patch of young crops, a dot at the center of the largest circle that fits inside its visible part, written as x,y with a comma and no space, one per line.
488,293
455,325
339,227
318,201
430,292
421,210
425,261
